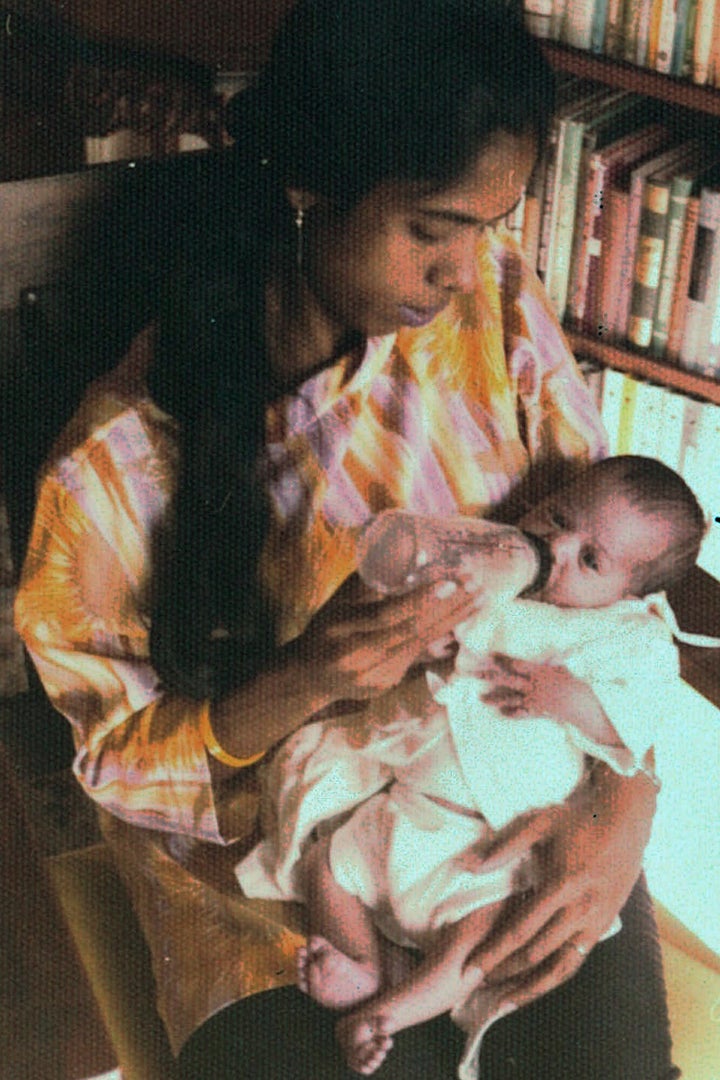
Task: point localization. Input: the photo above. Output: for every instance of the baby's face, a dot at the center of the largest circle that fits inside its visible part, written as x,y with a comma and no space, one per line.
597,539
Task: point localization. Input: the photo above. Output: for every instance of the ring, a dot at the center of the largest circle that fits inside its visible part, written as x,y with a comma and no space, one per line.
582,949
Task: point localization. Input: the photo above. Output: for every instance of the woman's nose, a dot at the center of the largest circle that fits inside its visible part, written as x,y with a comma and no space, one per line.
457,270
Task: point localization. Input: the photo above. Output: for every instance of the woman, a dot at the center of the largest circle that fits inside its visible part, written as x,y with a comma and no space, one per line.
355,335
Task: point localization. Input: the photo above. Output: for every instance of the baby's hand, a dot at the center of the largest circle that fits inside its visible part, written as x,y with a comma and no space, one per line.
520,688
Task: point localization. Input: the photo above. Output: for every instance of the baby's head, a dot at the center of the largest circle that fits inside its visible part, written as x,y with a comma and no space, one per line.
625,526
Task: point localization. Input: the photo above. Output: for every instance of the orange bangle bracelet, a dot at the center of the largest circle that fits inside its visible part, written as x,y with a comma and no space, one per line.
214,748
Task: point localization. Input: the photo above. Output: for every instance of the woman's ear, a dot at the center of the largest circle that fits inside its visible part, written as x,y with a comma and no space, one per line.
300,199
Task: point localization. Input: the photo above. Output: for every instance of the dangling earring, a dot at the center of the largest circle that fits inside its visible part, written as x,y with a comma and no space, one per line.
299,219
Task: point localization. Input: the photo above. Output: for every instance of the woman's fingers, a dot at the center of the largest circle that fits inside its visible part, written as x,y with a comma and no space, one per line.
518,838
557,968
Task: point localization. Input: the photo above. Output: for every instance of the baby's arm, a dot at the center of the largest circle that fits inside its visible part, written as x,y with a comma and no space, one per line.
520,688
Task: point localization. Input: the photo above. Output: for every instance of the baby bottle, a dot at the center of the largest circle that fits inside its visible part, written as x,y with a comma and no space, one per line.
399,550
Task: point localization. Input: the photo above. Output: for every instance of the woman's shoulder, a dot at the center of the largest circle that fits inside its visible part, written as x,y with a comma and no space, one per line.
116,424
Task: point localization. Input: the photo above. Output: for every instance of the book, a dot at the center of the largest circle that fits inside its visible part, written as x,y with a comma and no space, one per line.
626,420
611,406
599,25
701,431
604,168
556,18
702,41
686,68
592,373
638,178
577,24
538,17
682,187
647,419
684,26
704,286
614,226
669,448
682,281
575,96
662,34
636,31
650,251
614,112
531,226
615,29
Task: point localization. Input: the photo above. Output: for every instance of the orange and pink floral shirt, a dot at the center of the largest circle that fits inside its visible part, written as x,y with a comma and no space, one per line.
440,420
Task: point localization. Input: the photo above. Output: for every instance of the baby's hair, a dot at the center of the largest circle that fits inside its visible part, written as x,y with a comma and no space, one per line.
656,489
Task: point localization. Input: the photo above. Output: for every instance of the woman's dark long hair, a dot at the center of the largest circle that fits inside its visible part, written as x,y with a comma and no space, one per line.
356,92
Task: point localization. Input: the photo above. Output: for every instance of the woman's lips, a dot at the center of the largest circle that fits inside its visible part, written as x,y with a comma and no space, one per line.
414,316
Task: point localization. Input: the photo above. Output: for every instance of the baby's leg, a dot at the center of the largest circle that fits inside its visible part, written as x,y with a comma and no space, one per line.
433,987
340,965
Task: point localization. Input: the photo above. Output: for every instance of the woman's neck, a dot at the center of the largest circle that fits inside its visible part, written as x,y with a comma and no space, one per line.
301,337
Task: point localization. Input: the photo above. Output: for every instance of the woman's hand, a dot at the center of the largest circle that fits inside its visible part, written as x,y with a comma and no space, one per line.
589,853
521,688
361,644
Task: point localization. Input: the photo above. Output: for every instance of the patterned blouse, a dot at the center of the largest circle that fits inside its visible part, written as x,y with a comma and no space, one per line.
442,419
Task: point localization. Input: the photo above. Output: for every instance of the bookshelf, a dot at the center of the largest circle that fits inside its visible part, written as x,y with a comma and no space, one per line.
697,602
674,94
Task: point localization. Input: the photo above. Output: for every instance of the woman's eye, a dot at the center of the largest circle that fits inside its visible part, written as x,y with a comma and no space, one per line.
425,236
558,519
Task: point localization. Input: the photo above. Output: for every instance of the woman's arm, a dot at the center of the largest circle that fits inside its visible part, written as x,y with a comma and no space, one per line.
140,750
590,853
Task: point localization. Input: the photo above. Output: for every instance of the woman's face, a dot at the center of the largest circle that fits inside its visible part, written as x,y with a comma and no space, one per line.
399,255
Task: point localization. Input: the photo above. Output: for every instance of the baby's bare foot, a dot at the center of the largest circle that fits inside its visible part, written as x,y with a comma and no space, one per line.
331,977
364,1040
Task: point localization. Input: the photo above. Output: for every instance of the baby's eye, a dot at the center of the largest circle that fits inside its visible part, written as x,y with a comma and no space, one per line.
589,559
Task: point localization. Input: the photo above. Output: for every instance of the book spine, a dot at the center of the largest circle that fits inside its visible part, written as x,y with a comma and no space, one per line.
531,229
670,430
686,68
556,281
648,262
578,23
682,283
613,248
586,246
702,41
643,32
627,414
538,17
631,30
550,169
615,29
677,211
611,406
704,286
599,26
682,17
645,433
557,18
665,35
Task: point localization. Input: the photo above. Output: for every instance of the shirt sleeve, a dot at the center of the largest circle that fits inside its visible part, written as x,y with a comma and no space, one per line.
634,676
80,613
560,417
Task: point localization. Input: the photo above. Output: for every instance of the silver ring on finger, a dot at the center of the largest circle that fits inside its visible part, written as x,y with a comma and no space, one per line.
582,949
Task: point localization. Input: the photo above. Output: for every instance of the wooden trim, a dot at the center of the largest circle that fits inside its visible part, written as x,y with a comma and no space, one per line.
639,80
646,367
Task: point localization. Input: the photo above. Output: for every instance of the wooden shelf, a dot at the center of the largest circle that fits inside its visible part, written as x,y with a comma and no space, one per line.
645,367
668,88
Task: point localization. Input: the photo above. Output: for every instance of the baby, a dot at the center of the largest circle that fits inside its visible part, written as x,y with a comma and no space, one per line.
379,824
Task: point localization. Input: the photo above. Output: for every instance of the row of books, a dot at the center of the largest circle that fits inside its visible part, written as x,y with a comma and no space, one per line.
622,221
644,418
676,37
